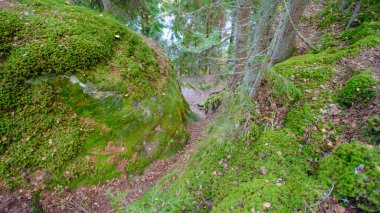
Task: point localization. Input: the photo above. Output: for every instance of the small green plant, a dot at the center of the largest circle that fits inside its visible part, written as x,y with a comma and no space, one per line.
372,128
36,206
212,103
205,86
358,89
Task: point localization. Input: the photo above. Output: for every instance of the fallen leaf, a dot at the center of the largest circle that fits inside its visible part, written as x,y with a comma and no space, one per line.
267,205
339,209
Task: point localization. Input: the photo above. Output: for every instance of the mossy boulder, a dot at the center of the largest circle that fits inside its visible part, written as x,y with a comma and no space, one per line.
80,96
358,89
354,170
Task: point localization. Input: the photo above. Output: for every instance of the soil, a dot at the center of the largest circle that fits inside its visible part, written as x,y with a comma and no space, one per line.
7,4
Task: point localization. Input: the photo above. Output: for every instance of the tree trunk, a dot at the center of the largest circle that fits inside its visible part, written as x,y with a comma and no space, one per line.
261,41
242,31
287,30
221,21
107,5
232,35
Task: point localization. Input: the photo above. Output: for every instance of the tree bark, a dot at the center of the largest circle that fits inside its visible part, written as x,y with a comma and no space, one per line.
261,40
287,30
107,5
243,17
232,35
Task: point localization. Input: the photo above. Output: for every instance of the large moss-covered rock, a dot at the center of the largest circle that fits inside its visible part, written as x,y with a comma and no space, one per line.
82,97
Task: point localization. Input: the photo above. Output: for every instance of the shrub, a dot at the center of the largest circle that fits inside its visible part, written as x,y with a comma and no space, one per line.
358,89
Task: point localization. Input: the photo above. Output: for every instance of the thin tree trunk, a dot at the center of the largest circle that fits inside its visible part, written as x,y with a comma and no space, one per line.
261,41
354,14
287,32
232,34
242,31
107,5
221,21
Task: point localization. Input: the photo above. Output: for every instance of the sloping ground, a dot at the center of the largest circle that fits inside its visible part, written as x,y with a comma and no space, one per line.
82,100
307,161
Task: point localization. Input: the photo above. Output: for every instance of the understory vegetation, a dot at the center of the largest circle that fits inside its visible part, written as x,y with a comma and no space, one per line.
85,101
82,97
248,164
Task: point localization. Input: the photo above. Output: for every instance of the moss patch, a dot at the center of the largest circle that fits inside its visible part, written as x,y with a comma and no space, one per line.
353,169
358,89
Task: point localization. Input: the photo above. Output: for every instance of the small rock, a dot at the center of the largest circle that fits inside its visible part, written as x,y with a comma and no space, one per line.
264,170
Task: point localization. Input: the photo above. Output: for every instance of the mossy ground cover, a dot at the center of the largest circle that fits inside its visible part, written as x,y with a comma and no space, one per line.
282,170
49,123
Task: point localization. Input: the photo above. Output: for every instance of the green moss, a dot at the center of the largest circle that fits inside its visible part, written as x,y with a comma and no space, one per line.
212,102
335,14
351,182
372,128
130,126
10,24
327,21
298,118
358,89
43,134
49,123
366,29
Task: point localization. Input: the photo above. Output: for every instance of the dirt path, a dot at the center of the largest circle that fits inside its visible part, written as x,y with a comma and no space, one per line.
94,198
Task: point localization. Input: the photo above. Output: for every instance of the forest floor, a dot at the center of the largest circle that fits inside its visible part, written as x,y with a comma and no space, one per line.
97,198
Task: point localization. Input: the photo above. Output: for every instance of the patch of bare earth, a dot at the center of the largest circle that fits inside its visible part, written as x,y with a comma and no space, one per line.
309,27
271,111
7,4
357,116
